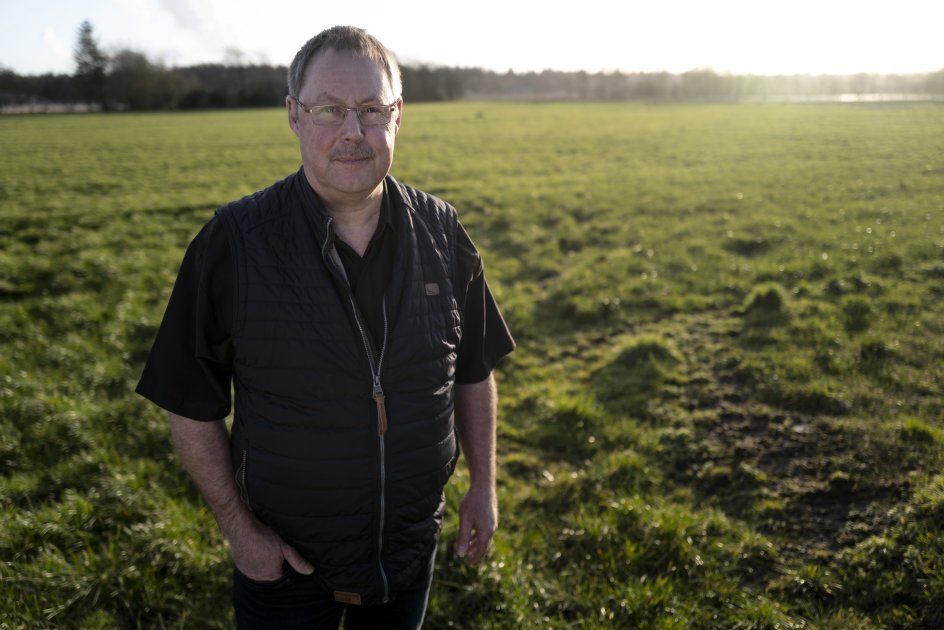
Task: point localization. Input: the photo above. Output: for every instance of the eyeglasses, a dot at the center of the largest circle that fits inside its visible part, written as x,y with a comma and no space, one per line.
333,115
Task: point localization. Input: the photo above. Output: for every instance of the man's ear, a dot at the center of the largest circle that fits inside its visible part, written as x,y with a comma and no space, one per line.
291,107
399,114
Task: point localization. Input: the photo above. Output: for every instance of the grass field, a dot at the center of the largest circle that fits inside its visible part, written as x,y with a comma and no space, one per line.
725,410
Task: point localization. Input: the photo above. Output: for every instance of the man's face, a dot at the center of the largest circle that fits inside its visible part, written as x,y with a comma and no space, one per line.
345,164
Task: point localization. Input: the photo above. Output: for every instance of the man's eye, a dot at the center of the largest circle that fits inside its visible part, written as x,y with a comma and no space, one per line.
329,109
371,109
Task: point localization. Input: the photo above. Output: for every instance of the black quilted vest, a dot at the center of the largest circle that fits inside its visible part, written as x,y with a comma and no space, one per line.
359,495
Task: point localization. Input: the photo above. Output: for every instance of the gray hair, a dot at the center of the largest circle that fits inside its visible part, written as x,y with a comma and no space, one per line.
349,39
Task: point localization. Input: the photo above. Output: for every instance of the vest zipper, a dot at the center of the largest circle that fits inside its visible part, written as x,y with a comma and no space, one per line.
379,400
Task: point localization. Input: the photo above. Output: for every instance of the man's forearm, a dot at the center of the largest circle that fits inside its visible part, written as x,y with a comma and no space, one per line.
476,419
476,409
203,448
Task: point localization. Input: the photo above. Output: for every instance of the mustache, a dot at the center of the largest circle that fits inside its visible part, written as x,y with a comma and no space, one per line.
352,154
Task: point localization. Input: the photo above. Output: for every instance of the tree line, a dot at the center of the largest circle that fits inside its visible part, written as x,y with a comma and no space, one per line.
128,80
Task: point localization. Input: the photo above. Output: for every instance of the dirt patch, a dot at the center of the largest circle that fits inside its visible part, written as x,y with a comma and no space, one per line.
806,480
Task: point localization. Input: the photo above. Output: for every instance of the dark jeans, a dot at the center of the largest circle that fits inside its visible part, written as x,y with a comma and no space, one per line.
305,601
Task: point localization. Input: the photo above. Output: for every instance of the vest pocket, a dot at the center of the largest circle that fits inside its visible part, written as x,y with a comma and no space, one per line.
241,478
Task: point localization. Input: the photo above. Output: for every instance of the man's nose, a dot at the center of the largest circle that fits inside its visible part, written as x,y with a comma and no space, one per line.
351,124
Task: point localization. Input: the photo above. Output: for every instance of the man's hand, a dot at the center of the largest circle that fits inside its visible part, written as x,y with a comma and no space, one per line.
478,520
259,553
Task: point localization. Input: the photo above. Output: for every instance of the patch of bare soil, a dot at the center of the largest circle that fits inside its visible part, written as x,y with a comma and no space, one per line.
806,480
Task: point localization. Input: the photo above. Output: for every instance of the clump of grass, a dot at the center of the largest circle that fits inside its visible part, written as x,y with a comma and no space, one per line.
855,284
874,354
724,477
916,431
857,314
809,398
933,270
637,374
766,305
649,356
749,247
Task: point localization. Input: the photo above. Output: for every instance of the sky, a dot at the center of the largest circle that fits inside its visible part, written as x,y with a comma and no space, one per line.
727,36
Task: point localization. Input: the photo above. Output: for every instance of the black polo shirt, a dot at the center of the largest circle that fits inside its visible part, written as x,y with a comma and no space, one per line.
369,275
189,369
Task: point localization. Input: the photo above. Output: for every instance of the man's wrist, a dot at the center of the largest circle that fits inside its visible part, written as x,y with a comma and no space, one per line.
235,520
483,488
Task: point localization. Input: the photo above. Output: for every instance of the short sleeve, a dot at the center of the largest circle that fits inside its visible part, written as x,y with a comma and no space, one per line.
189,369
485,335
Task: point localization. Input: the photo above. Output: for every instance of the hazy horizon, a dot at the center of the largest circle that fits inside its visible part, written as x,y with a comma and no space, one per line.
727,37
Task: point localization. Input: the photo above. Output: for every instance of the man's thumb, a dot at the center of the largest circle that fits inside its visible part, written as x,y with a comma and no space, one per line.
296,561
465,536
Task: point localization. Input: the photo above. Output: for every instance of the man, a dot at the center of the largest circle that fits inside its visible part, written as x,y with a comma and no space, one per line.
350,313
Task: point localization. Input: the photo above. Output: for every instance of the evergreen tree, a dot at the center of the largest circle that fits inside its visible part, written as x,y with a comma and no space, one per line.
90,66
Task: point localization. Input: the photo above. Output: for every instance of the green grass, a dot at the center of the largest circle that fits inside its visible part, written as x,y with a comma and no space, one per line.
725,410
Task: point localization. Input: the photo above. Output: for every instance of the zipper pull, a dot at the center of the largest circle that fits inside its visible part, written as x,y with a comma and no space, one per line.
380,399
